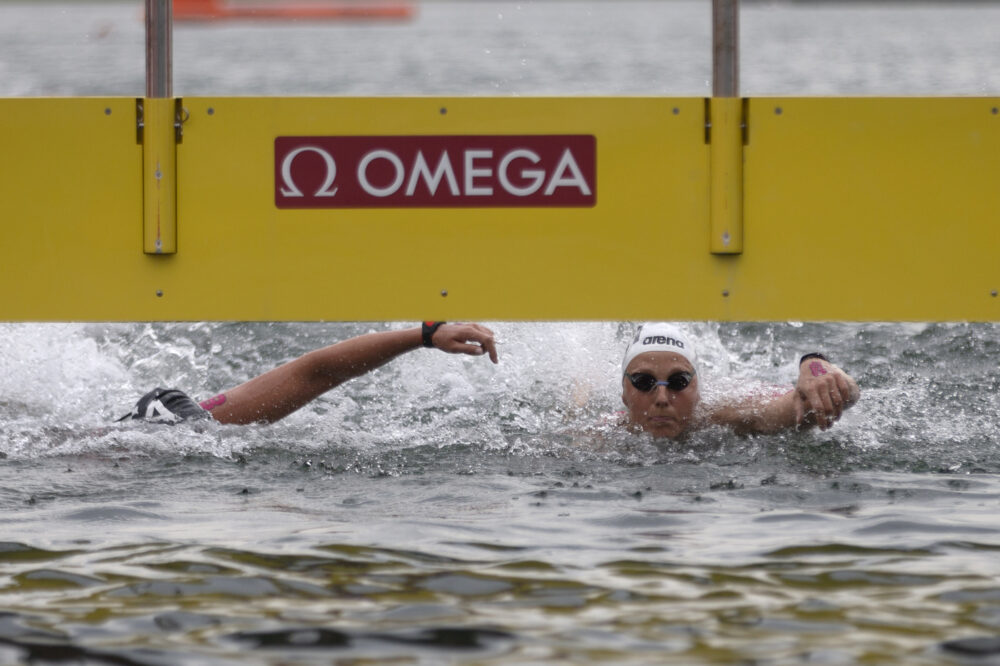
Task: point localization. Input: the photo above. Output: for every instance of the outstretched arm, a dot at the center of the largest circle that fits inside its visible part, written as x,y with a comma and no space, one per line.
279,392
821,394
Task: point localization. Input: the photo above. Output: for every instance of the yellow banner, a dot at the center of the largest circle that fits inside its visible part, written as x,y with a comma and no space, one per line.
852,209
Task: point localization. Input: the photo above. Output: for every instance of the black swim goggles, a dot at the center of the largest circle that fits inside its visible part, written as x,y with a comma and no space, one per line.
645,382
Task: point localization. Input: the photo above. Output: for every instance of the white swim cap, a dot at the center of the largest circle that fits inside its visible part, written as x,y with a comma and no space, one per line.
657,337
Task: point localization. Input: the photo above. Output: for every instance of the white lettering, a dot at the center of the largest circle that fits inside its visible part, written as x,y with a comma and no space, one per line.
421,170
537,175
363,173
471,172
566,162
291,190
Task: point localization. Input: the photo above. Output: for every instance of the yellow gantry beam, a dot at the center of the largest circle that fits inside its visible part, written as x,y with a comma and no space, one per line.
846,209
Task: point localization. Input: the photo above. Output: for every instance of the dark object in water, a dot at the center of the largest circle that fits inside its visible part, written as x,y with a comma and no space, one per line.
979,646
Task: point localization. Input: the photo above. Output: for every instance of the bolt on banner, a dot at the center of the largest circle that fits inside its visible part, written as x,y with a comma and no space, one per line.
435,171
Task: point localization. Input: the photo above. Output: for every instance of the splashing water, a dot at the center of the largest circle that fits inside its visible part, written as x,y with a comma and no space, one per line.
929,391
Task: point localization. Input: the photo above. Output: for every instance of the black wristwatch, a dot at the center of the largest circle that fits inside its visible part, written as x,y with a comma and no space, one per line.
813,355
427,330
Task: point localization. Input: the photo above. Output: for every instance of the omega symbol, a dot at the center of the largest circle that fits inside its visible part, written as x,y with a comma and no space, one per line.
325,190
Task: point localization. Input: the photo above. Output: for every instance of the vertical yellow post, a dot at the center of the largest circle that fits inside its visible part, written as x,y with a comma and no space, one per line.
726,132
159,177
726,185
159,137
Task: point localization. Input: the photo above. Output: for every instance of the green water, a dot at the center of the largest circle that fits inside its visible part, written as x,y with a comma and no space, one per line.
443,510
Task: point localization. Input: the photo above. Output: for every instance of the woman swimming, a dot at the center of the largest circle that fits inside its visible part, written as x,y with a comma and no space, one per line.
660,389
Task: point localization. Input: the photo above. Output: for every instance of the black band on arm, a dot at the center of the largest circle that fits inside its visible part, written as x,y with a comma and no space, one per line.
427,330
813,355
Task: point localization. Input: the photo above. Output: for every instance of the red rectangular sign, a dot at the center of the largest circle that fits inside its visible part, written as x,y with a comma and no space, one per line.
435,171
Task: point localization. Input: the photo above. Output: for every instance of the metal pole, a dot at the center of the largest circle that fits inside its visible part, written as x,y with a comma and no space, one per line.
726,122
725,48
159,48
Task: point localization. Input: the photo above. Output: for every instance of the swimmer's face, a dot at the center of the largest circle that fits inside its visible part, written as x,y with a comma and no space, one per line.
660,412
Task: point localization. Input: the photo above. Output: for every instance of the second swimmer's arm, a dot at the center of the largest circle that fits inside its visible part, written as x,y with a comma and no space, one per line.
279,392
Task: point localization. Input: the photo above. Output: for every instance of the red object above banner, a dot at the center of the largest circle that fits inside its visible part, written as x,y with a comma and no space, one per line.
435,171
217,10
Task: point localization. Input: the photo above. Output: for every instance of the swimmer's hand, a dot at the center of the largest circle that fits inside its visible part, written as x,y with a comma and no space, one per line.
823,392
471,339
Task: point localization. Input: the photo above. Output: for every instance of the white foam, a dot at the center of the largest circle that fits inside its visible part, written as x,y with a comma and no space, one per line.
53,372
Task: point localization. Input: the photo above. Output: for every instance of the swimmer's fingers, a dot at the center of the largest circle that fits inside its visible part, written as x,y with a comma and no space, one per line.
839,390
838,407
818,399
847,391
488,343
471,339
840,394
830,400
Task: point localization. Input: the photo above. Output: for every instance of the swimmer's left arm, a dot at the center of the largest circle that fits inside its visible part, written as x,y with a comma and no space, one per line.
762,413
821,394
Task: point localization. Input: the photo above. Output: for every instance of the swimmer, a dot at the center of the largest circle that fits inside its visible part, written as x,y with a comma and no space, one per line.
275,394
660,389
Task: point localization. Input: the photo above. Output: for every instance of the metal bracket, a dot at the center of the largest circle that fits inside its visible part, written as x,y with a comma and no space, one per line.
181,116
140,122
744,121
708,120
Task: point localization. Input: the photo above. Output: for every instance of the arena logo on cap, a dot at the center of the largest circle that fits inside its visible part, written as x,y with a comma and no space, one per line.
662,340
435,171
